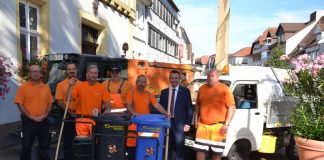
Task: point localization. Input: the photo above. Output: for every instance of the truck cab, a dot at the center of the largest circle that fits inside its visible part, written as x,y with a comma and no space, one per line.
262,108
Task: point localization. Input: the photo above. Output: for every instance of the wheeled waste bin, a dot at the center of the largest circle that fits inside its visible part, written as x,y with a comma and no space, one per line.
83,148
150,136
111,133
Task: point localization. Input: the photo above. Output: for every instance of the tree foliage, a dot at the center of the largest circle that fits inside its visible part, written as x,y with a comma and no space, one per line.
274,58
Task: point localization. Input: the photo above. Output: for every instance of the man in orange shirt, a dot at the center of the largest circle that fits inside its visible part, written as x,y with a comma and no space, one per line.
215,108
34,100
90,96
117,88
138,102
61,95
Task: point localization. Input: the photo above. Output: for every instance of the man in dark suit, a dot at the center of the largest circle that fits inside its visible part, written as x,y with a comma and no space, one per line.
177,101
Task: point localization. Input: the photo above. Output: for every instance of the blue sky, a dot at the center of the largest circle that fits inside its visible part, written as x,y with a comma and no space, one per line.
249,18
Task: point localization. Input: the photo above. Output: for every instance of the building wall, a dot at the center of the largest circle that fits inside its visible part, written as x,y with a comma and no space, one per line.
9,42
157,22
240,60
184,49
140,48
293,41
114,28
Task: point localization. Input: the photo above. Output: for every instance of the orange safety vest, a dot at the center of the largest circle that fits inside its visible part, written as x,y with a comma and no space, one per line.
116,99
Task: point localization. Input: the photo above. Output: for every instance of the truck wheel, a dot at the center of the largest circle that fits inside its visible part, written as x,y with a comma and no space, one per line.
239,151
291,150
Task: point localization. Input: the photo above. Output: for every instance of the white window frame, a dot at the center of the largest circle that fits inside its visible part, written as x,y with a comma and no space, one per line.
27,31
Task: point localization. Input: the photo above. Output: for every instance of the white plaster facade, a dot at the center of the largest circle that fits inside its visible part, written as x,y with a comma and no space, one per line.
66,27
146,17
240,60
8,110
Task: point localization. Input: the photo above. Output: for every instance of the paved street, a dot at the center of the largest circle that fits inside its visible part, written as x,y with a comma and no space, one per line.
280,155
13,154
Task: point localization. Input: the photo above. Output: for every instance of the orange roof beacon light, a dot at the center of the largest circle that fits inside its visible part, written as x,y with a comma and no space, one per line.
226,69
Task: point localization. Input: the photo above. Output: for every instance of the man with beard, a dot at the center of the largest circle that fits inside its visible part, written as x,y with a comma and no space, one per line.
138,102
62,90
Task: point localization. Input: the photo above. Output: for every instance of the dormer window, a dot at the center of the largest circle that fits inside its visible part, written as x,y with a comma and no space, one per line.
281,38
268,41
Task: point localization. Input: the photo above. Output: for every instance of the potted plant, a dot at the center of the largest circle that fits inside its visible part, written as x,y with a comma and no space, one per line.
306,82
36,60
5,74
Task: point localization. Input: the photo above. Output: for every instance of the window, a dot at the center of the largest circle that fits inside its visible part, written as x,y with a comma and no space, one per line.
161,42
268,40
29,30
163,12
89,40
155,5
281,38
158,7
245,96
313,55
140,14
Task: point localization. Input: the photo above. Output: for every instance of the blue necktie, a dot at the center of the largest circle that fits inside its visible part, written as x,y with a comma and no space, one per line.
172,103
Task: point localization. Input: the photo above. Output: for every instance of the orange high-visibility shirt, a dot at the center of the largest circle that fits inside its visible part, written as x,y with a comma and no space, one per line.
117,100
141,101
61,91
89,97
35,98
213,102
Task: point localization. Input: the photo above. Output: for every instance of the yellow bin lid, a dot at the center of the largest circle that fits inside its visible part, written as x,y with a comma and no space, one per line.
268,144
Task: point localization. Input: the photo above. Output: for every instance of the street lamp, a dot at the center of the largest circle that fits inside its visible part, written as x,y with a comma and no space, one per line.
125,49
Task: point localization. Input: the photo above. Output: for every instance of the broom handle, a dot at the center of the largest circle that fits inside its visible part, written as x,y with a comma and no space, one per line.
62,126
166,153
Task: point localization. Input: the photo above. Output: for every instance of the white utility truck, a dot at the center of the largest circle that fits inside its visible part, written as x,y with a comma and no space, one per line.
261,121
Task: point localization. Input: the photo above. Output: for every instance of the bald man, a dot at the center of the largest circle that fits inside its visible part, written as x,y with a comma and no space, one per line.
34,100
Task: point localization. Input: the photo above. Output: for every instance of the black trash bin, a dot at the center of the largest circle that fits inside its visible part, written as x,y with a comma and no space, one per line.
83,148
111,136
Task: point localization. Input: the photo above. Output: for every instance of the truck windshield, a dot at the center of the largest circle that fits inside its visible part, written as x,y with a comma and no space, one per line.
55,74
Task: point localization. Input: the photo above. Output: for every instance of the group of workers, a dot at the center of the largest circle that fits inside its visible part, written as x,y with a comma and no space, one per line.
215,108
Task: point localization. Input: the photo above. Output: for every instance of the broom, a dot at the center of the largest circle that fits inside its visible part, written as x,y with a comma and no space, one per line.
168,130
62,126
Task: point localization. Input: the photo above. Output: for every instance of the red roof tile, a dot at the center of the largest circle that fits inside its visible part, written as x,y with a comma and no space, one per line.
261,38
243,52
204,59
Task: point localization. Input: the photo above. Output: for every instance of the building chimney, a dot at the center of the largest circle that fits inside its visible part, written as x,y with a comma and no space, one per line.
315,16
